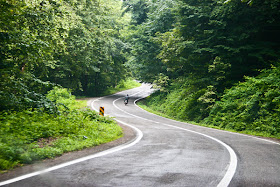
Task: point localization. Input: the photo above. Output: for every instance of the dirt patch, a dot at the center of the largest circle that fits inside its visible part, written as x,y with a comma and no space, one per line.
129,135
43,142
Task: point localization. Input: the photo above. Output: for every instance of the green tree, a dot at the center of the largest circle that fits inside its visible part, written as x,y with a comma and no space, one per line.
76,44
204,47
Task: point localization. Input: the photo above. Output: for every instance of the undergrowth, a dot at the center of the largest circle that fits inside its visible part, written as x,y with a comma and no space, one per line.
123,85
250,107
30,135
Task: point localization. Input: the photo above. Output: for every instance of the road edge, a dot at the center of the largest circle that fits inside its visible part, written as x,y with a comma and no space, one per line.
129,135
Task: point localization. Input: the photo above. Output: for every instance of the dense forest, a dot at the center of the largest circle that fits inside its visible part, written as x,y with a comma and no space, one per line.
48,49
72,43
214,62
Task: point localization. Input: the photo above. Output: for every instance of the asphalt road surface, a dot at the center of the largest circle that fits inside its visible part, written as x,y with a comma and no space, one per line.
165,153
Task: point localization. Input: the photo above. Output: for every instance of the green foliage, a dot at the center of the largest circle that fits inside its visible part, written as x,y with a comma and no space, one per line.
208,98
162,82
76,44
207,39
202,48
139,9
251,105
142,57
123,85
180,103
218,71
32,135
23,93
29,135
94,51
61,97
45,45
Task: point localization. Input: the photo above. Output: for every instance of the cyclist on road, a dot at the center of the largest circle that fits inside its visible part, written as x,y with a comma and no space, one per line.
126,99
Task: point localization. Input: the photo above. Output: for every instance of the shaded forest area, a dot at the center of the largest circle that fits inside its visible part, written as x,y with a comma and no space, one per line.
76,44
215,62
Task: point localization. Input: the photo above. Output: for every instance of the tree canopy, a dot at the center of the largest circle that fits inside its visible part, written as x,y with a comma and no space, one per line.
195,50
71,43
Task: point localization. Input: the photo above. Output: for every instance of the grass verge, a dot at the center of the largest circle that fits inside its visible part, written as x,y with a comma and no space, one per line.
31,135
123,85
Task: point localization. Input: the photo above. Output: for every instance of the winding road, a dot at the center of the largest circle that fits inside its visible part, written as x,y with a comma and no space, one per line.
165,152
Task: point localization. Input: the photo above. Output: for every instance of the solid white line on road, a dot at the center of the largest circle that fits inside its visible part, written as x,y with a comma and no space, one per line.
233,158
224,131
109,96
139,136
103,153
225,181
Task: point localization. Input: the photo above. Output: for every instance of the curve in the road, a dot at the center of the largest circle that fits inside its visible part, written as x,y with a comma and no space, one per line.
233,158
229,171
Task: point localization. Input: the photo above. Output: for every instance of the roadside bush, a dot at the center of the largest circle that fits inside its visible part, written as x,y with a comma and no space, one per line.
122,85
62,98
253,105
23,93
36,134
32,135
179,103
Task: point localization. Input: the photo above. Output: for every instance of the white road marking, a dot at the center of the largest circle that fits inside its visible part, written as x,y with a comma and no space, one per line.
224,131
139,136
224,182
103,153
233,158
